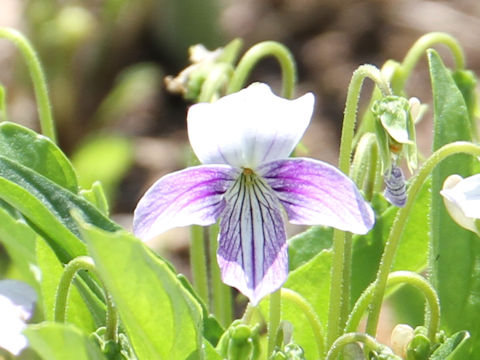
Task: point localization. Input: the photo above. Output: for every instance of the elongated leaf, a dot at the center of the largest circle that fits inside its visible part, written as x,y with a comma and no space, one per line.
38,153
451,347
161,319
455,258
55,341
19,241
48,206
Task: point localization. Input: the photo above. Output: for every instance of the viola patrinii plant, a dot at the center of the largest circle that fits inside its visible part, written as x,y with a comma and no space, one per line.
387,217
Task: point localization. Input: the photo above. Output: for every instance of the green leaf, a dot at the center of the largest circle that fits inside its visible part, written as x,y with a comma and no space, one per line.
37,152
19,241
55,341
210,352
455,255
161,318
48,205
212,330
312,281
304,246
452,346
466,82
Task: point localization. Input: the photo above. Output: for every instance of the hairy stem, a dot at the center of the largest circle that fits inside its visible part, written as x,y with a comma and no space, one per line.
340,280
302,304
401,277
38,78
417,51
71,269
257,53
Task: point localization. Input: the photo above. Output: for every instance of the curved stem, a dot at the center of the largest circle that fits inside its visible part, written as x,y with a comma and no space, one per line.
274,319
217,78
349,338
399,224
396,278
310,314
38,78
71,269
257,53
340,281
418,50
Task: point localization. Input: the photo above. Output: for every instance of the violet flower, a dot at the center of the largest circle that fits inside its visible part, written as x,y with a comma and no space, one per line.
248,182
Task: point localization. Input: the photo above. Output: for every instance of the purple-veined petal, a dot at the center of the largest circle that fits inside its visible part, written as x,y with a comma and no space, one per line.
252,251
249,127
316,193
191,196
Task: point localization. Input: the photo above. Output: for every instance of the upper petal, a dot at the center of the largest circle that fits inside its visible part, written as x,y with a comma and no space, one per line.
316,193
252,251
249,127
191,196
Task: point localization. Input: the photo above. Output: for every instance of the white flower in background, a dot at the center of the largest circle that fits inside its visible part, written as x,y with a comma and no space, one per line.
17,303
462,200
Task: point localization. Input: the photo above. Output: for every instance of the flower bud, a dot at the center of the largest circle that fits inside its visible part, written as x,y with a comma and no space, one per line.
401,337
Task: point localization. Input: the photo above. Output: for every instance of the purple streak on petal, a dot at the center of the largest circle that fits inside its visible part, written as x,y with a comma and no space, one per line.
252,251
316,193
191,196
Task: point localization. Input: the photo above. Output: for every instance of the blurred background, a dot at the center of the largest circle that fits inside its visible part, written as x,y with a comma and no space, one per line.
105,61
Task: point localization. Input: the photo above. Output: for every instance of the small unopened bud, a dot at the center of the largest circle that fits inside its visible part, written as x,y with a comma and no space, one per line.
415,108
401,336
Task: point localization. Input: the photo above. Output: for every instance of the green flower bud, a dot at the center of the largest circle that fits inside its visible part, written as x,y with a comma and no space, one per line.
239,342
419,348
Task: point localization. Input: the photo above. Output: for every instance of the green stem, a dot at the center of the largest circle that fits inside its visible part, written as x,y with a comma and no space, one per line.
198,262
257,53
221,293
3,104
340,281
274,319
349,338
396,278
311,316
417,51
364,166
38,78
399,224
217,78
71,269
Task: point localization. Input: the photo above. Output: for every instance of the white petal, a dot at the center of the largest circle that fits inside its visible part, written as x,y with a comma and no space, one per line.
17,302
462,199
249,127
